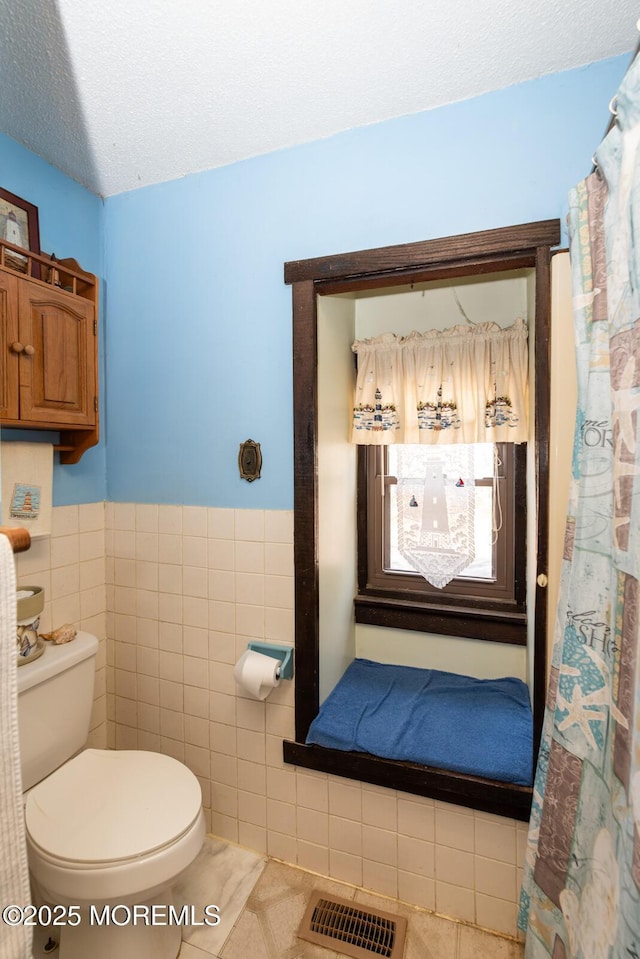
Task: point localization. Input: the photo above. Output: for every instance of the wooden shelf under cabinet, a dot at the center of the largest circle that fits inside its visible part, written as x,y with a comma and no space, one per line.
49,344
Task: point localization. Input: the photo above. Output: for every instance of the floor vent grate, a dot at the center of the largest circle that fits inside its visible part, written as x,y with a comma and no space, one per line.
339,925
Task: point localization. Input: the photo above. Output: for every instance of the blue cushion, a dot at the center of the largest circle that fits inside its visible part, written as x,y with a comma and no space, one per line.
483,727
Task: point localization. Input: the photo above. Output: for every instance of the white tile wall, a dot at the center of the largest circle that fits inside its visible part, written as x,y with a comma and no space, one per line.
70,566
185,589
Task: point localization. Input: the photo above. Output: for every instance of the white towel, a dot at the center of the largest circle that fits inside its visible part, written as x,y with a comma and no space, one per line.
15,941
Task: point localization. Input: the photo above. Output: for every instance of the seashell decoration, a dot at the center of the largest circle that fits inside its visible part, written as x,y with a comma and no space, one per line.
63,634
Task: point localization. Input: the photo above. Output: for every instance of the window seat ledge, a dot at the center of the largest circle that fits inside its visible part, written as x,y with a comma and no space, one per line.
486,795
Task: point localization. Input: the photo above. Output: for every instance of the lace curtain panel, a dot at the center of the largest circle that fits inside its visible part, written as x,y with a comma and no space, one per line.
435,500
462,385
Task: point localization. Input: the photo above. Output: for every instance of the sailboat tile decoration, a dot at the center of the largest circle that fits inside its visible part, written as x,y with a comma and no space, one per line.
25,502
27,481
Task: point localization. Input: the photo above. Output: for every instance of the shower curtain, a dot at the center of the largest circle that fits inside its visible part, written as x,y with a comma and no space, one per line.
580,897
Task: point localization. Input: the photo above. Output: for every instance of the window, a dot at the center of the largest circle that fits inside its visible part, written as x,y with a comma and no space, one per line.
527,246
460,494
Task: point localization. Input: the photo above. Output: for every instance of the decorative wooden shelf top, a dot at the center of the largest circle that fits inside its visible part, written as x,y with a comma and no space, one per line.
66,274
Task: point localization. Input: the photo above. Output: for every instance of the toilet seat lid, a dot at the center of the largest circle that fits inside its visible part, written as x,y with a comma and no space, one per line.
109,805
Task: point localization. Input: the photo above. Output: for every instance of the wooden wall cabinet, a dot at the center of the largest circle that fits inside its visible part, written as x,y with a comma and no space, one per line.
49,343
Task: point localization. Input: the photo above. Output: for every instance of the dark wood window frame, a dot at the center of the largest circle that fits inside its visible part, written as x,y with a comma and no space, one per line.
516,247
495,612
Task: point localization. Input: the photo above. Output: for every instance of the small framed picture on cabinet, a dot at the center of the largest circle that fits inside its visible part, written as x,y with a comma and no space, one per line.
19,226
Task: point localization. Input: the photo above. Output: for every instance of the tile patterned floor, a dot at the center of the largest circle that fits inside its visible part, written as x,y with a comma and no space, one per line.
262,902
274,904
223,875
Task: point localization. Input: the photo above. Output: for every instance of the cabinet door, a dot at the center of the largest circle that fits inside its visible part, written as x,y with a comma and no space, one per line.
8,337
57,365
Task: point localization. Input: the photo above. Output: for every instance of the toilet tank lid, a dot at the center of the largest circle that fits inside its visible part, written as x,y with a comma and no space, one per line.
112,805
56,659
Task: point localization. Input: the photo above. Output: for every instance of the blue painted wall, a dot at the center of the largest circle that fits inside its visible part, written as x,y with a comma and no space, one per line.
199,320
71,224
196,316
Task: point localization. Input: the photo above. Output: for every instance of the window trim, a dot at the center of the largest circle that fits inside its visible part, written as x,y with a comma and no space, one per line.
513,247
405,601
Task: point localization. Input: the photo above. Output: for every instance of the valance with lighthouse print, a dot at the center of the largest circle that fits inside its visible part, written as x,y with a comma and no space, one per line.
467,384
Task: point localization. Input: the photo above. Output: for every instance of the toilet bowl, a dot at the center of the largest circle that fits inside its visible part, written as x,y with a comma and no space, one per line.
115,829
104,828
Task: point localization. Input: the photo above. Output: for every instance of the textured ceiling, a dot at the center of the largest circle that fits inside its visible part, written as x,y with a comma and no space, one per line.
119,94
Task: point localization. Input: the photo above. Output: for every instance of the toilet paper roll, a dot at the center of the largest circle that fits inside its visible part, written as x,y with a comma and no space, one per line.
257,673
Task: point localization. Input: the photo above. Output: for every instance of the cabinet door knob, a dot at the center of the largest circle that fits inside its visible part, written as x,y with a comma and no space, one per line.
17,347
29,350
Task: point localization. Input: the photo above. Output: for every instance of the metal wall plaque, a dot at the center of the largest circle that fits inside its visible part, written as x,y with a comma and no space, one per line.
250,460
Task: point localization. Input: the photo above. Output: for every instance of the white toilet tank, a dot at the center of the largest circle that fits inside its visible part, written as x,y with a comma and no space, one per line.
55,698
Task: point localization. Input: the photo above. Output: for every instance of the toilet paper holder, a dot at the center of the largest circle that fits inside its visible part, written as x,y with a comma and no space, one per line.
283,653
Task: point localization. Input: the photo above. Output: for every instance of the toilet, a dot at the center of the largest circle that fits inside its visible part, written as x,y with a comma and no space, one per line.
104,828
